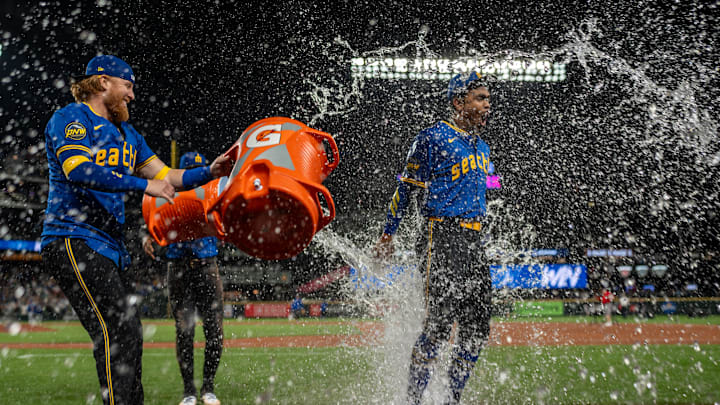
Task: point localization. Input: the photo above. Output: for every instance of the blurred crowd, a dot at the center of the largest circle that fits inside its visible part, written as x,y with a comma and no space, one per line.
34,300
35,296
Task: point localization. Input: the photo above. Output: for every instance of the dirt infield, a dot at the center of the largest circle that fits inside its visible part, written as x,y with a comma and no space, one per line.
502,334
569,334
23,327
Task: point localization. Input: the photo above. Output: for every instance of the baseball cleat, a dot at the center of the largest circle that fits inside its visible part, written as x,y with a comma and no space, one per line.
210,399
189,400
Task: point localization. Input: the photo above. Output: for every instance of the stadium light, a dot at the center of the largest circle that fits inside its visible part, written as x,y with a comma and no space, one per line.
609,253
659,270
520,70
642,270
624,271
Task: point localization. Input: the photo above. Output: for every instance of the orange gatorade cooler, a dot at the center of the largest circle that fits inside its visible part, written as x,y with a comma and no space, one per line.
270,206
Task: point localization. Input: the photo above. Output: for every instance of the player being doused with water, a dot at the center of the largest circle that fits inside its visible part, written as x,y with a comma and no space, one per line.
448,163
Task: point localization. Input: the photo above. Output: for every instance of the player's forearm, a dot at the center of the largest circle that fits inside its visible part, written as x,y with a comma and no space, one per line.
174,177
187,179
196,177
398,205
103,178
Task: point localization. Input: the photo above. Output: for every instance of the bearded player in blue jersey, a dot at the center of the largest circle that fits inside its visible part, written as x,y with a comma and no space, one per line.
94,158
448,162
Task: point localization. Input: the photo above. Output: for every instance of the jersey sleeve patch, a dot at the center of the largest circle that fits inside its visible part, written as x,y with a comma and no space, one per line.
75,131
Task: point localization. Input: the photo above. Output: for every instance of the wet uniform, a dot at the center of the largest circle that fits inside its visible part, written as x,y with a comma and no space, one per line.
451,166
83,239
194,282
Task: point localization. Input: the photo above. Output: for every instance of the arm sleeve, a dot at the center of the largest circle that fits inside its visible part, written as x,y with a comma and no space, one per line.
413,178
102,178
196,177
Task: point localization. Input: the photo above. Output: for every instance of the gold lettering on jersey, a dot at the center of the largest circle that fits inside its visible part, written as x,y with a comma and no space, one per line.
455,171
100,157
485,163
469,163
112,157
126,151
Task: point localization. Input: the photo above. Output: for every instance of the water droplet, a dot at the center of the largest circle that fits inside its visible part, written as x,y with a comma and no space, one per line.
503,377
149,332
14,328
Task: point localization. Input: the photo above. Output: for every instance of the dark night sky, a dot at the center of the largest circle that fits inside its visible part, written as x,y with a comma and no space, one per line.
208,70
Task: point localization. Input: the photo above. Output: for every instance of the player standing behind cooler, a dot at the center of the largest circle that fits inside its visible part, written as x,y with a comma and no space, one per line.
449,162
94,158
194,282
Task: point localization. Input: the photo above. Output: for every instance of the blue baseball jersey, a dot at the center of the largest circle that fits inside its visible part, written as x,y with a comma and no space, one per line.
199,248
452,166
76,134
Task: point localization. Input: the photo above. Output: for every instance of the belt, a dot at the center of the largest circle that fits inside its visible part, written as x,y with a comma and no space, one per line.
200,262
463,223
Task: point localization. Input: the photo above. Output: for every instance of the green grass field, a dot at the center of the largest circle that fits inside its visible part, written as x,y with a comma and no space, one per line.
676,319
340,375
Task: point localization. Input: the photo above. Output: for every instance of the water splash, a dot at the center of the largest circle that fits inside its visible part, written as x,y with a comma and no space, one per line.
667,117
670,112
339,99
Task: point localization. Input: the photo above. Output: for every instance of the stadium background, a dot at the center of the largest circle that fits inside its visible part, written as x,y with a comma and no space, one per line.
570,154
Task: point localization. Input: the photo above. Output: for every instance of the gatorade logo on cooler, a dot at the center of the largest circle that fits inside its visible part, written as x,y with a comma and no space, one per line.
264,136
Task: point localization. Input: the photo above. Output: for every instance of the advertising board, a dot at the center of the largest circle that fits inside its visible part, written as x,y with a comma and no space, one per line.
547,276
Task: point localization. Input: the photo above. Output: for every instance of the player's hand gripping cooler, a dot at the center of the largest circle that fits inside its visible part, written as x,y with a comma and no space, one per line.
270,206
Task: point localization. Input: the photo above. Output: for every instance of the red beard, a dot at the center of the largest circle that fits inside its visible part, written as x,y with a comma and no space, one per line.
118,112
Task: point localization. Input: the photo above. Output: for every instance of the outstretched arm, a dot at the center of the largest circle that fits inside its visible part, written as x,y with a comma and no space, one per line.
399,203
414,177
187,179
81,170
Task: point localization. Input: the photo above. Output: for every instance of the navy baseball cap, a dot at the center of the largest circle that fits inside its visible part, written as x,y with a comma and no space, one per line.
108,65
460,82
192,159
